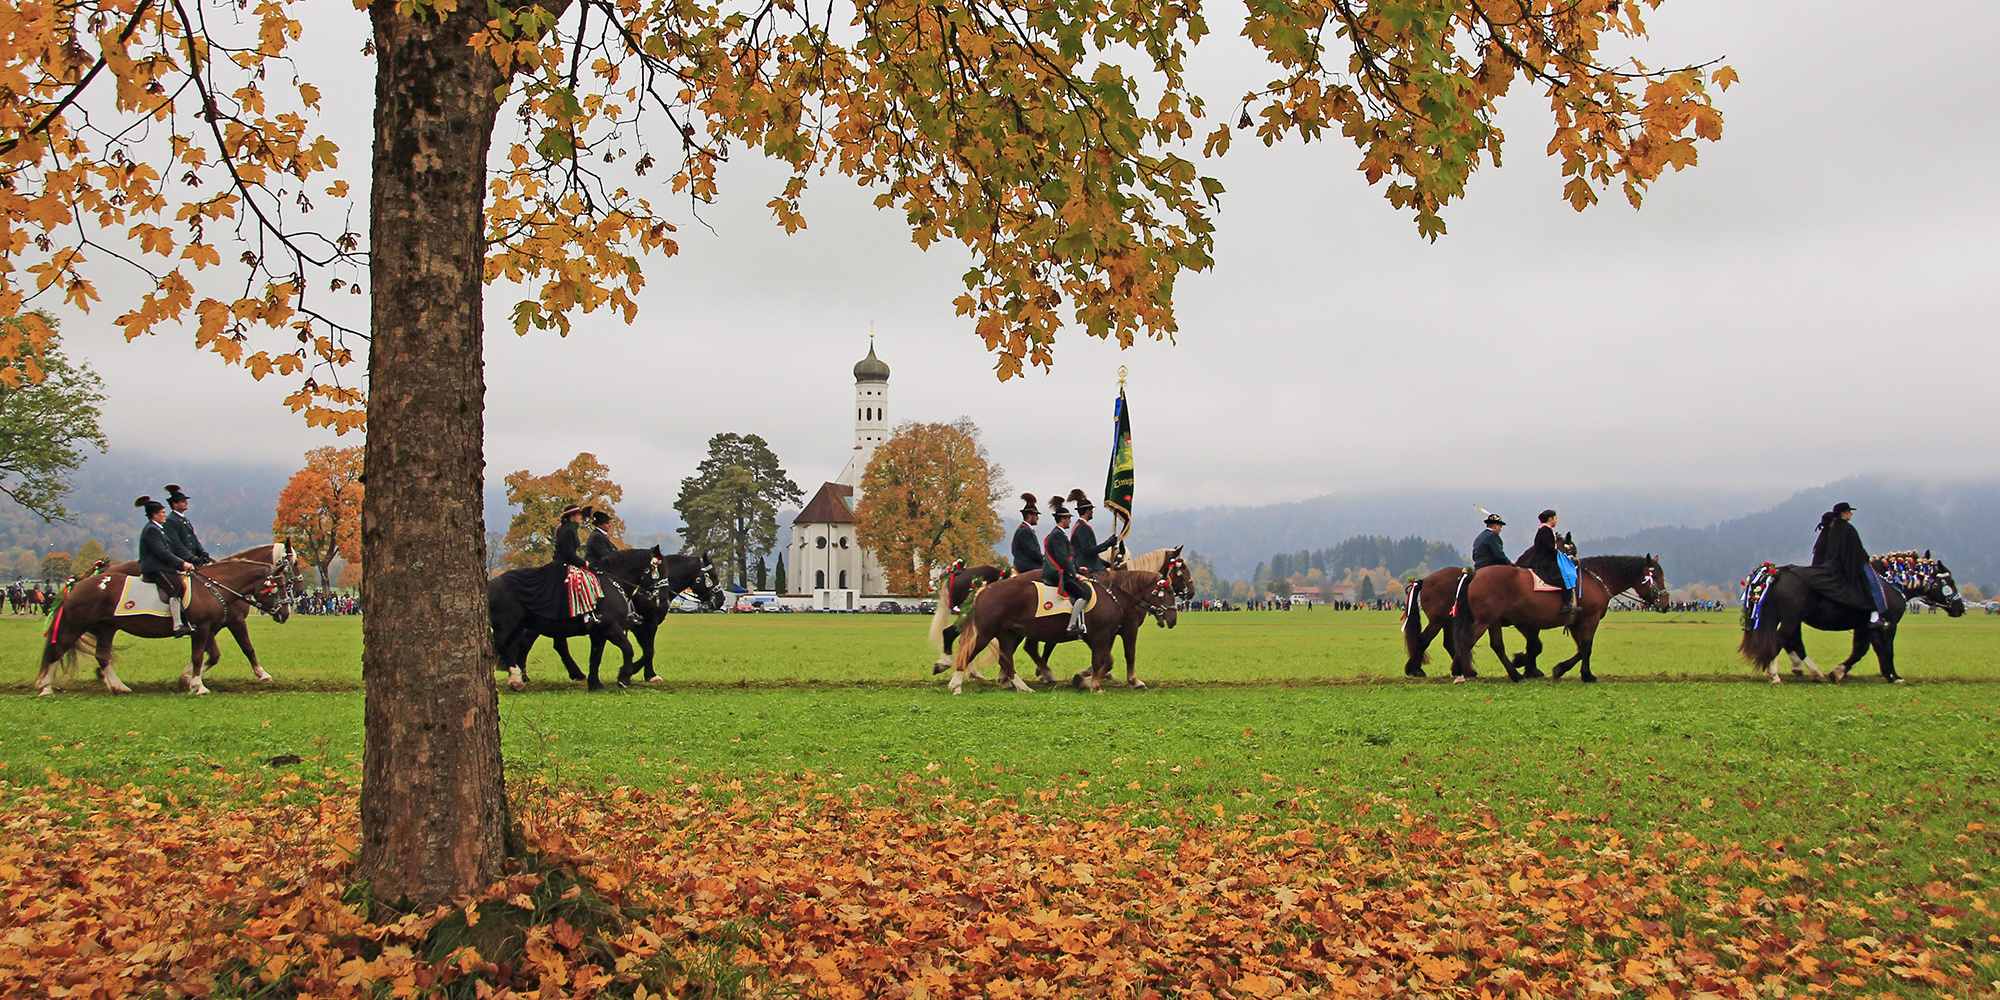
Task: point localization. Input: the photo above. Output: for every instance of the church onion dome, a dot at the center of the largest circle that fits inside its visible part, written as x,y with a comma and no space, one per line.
871,368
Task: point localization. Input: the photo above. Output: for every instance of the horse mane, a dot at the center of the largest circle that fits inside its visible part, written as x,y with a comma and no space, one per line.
1150,562
1616,564
245,555
1130,582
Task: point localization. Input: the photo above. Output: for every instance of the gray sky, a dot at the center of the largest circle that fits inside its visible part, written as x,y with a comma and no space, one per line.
1817,299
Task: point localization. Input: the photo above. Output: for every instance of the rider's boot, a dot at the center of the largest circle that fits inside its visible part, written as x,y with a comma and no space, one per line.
1875,619
177,612
1076,626
1569,606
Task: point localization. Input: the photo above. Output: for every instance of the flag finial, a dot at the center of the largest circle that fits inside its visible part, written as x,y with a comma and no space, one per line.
1121,376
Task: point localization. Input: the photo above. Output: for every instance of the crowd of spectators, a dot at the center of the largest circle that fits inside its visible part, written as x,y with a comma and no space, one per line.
327,602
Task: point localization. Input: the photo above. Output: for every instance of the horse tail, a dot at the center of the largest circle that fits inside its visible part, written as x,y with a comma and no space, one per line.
962,653
1461,616
1413,622
1761,643
942,616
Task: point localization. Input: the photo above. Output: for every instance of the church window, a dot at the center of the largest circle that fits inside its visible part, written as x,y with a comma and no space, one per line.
820,542
843,541
819,579
843,579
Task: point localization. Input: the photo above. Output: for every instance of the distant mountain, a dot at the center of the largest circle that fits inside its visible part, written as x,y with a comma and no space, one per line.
1236,539
1958,522
232,505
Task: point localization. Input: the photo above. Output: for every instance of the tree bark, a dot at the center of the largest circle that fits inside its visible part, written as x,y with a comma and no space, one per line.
433,799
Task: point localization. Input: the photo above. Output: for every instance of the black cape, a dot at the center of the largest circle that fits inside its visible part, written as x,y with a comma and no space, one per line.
1541,557
1839,572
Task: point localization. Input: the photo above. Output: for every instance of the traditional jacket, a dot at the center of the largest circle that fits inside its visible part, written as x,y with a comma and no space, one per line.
566,547
598,548
1083,542
180,531
1487,550
156,550
1061,565
1027,550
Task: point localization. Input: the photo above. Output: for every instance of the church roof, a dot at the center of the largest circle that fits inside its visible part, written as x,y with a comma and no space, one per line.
871,368
833,504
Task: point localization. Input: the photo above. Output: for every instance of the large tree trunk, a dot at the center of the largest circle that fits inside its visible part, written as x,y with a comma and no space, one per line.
433,802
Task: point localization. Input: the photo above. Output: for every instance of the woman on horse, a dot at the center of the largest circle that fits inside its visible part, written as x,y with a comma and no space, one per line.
1548,561
1028,548
584,591
160,564
1839,551
1060,569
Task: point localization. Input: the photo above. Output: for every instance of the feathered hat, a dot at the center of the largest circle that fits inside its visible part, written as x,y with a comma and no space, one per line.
1028,505
149,505
1491,518
599,517
1056,508
1082,502
174,494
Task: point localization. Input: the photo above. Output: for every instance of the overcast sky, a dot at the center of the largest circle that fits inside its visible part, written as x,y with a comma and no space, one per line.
1817,299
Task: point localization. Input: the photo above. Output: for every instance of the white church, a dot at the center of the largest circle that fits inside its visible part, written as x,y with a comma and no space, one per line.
825,559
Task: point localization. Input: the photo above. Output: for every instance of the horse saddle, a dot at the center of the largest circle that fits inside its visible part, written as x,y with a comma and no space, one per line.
1050,601
141,598
1541,584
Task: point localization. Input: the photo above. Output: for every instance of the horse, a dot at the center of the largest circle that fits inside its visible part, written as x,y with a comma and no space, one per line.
1430,600
650,594
1500,595
963,580
1773,623
219,595
1006,613
516,627
270,554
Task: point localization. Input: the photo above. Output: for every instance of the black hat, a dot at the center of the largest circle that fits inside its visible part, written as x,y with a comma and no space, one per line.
174,494
1082,502
1028,505
1494,519
571,509
150,505
1056,508
599,517
1842,507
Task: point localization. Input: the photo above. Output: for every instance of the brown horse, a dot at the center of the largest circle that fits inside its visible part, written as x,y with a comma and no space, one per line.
1007,613
1427,610
270,554
219,595
1506,595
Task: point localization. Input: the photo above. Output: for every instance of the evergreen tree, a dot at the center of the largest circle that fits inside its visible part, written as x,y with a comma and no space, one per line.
762,573
731,502
1367,589
778,582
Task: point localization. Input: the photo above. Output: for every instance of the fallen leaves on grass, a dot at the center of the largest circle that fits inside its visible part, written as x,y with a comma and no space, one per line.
920,892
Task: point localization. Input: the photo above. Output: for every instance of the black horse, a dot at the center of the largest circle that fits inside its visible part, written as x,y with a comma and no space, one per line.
1773,623
651,582
516,626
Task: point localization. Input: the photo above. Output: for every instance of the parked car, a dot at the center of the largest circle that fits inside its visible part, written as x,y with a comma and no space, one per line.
927,608
888,608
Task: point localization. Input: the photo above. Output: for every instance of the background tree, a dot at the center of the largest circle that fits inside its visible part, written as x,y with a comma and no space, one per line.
762,574
48,417
1367,589
88,554
56,566
350,575
27,567
731,502
778,581
927,498
319,510
530,537
1021,137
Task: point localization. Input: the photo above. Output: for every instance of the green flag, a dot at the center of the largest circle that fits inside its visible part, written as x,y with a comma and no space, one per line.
1118,481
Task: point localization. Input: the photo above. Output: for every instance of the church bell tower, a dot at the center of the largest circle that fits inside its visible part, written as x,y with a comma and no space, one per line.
871,414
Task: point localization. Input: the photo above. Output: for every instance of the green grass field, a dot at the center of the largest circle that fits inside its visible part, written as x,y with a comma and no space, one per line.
1255,715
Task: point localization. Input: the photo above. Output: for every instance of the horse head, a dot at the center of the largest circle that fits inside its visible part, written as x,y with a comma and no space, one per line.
707,586
1942,591
1179,579
1652,587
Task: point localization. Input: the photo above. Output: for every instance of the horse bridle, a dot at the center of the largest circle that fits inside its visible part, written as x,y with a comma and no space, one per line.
285,596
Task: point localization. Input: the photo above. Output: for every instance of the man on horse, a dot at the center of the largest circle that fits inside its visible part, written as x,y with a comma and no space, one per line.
598,547
181,530
1083,538
1487,549
1841,571
161,564
1548,561
1060,568
1028,548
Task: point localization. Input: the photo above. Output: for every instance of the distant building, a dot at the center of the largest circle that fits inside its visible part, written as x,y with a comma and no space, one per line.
826,559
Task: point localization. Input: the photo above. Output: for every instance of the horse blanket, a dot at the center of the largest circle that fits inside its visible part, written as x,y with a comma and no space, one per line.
137,597
553,591
1050,601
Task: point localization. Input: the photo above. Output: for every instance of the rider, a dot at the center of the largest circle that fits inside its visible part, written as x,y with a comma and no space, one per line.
160,564
1486,549
1548,561
1083,538
568,555
181,529
1839,549
1028,548
1060,569
598,547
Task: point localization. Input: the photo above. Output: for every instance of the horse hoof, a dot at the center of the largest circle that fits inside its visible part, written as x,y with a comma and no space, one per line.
654,679
1532,672
1138,685
1414,672
1460,679
1590,678
518,685
1895,680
